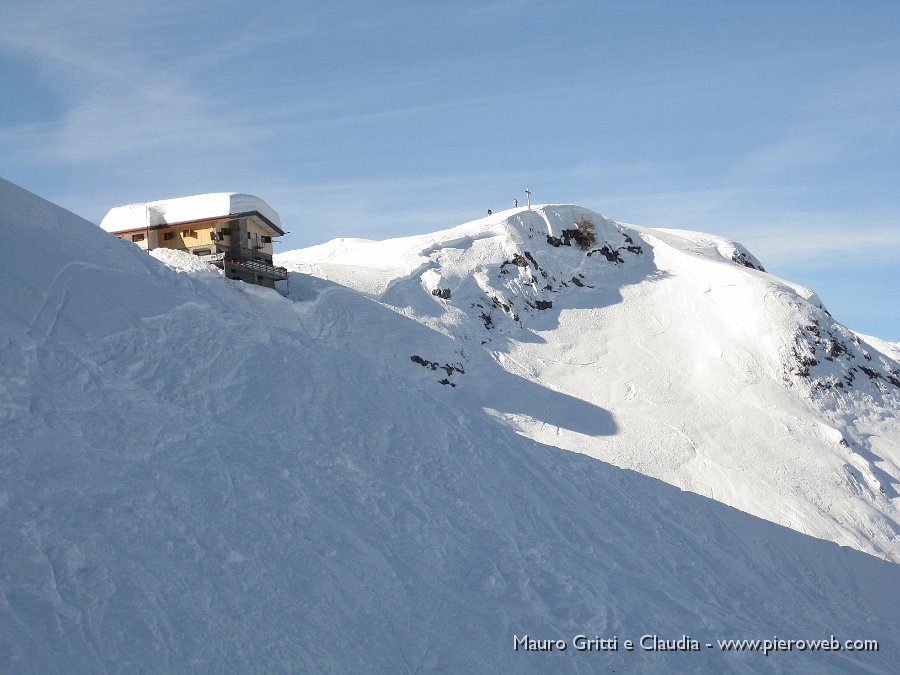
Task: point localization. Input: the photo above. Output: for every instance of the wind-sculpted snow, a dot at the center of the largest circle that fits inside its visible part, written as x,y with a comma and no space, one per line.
198,475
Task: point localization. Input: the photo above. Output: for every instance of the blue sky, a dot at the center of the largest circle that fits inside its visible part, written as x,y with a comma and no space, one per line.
773,123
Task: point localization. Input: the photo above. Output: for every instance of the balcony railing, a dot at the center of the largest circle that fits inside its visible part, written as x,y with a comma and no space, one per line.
262,269
225,259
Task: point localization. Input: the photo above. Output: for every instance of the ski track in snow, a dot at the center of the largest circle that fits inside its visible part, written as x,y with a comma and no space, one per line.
55,300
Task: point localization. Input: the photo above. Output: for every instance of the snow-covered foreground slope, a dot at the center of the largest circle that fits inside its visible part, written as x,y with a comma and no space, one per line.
197,475
710,374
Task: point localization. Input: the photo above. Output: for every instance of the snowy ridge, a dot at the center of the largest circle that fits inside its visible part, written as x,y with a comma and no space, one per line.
197,475
717,377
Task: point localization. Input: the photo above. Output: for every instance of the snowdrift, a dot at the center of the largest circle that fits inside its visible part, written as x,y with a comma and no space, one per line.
201,475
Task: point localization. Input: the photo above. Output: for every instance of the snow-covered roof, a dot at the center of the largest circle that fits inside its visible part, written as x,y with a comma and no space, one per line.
187,209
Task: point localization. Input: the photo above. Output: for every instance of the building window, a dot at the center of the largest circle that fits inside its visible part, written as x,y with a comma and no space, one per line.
266,240
185,233
168,236
137,237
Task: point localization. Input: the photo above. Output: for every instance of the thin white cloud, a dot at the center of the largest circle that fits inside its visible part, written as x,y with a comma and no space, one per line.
122,97
787,155
763,220
398,205
851,109
802,238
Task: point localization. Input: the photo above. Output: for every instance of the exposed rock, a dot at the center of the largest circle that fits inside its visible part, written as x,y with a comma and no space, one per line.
741,258
610,254
499,303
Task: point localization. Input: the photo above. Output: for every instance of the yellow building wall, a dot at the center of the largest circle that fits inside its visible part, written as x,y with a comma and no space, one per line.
189,236
197,236
255,227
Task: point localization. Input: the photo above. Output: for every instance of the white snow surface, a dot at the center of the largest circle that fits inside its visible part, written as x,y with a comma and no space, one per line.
689,358
185,209
182,261
198,475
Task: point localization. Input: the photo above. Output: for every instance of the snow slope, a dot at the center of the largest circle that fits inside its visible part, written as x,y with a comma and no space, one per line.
702,361
197,475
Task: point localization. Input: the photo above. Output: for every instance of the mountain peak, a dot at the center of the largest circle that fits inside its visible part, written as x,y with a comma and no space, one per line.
677,334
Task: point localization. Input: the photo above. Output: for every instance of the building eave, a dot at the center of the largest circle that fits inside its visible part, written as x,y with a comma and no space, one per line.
202,221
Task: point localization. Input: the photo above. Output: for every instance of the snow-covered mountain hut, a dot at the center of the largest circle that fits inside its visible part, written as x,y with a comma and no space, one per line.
230,230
